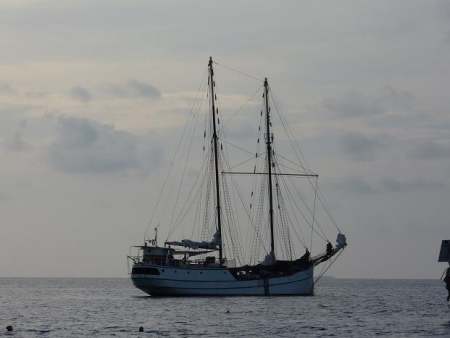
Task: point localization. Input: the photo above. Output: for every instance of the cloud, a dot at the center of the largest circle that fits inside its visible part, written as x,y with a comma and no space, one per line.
357,104
17,143
356,185
134,88
390,184
431,150
6,89
361,147
80,93
83,146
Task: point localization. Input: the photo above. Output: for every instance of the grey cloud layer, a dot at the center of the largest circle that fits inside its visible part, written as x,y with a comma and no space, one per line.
6,89
84,146
80,93
134,89
378,70
359,104
361,147
388,184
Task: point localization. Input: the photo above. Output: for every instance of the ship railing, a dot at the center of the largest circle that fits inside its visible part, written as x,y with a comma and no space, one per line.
134,256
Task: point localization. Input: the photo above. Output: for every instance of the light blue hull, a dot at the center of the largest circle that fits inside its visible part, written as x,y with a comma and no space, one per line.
220,282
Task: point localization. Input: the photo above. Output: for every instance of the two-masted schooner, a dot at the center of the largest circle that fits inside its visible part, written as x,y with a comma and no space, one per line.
201,268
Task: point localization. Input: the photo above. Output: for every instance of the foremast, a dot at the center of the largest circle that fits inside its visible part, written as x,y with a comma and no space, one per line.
216,160
269,165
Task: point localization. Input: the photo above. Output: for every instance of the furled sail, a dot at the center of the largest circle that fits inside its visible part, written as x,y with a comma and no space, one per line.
187,243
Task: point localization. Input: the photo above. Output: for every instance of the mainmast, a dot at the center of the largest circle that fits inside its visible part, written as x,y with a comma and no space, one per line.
269,164
216,161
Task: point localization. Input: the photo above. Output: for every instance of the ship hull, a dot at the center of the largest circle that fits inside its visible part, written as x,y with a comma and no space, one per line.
220,282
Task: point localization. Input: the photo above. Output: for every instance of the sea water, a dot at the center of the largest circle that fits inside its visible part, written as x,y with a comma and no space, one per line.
79,307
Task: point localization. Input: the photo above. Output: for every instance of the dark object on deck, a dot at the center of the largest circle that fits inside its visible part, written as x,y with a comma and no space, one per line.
228,311
9,328
141,329
329,249
306,256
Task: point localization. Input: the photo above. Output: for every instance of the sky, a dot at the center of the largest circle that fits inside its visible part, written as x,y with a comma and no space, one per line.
94,93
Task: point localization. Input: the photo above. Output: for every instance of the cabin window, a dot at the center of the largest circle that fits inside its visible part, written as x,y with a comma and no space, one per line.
145,271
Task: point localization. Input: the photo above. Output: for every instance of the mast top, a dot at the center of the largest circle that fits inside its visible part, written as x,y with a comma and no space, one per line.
210,61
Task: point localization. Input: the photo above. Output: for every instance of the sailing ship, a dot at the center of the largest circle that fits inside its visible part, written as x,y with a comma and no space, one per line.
191,267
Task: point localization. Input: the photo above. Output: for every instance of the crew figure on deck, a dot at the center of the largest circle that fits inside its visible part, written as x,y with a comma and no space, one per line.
329,249
446,279
307,256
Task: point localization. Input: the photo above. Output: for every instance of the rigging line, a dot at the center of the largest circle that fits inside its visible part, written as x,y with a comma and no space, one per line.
282,165
289,134
300,160
284,228
320,196
263,173
227,200
292,162
328,267
289,220
224,132
311,212
286,215
257,162
258,240
292,143
245,209
238,110
314,211
240,163
196,219
202,82
232,223
304,217
183,175
191,193
300,195
325,208
203,231
163,188
301,236
184,212
205,228
238,71
292,140
236,146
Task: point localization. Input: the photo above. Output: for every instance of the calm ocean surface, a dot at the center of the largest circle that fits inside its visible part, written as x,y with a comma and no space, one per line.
114,308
